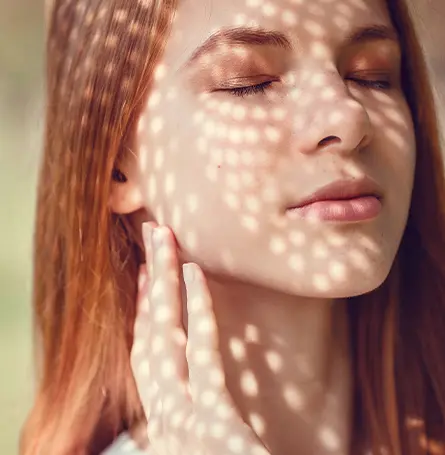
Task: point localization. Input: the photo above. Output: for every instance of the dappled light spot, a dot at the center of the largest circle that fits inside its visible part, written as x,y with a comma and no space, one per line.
228,146
296,262
156,125
292,397
169,184
158,344
269,9
232,200
274,361
250,223
159,158
167,368
236,444
277,245
289,18
237,349
320,250
251,334
218,430
249,383
359,260
329,438
208,399
338,271
321,282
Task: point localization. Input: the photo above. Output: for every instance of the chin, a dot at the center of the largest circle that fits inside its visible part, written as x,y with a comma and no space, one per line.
356,284
323,283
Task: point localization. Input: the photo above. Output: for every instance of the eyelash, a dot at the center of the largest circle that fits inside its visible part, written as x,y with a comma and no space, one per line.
261,88
250,89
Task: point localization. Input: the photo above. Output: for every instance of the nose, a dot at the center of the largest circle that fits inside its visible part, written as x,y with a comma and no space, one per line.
340,125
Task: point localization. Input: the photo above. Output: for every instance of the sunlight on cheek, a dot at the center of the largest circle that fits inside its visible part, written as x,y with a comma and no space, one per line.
277,245
296,262
250,223
191,240
156,125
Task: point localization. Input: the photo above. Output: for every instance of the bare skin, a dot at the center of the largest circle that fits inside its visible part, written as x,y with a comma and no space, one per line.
222,164
186,398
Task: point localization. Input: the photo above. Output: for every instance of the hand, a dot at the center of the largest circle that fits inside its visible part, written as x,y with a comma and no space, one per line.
180,379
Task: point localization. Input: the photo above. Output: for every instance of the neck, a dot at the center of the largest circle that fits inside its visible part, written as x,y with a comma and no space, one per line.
287,366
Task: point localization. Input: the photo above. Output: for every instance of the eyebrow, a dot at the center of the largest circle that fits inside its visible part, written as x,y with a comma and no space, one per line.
372,33
262,37
238,36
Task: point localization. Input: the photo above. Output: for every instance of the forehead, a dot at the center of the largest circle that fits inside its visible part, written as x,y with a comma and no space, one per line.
303,21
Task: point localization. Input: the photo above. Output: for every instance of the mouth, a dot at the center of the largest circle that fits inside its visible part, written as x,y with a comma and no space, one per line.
341,201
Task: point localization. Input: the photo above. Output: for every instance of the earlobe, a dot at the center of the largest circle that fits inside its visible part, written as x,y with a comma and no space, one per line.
125,196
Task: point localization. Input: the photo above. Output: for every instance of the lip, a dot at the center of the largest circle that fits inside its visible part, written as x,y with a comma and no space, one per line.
342,200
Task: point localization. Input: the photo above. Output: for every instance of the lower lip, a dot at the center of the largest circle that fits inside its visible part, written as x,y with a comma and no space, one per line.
348,210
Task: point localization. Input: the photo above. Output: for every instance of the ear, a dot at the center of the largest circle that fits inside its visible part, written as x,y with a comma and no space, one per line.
126,195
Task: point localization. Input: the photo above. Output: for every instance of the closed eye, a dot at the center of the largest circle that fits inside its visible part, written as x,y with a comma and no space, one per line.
248,90
372,80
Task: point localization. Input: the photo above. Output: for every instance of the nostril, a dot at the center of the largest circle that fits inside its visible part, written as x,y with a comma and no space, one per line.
329,140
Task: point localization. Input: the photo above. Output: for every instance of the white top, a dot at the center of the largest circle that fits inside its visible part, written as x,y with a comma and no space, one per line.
124,445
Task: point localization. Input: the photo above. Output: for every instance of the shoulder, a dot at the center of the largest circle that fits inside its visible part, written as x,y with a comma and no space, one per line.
124,445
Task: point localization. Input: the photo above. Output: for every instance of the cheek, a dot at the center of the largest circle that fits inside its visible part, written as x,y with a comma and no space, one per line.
218,152
395,142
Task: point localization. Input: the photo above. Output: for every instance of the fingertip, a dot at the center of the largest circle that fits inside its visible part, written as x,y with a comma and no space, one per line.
142,276
147,232
188,270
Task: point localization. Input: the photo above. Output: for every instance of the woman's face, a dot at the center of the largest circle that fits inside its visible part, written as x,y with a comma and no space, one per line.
257,105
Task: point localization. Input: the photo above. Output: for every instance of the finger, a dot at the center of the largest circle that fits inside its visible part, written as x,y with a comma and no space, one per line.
139,351
206,372
167,348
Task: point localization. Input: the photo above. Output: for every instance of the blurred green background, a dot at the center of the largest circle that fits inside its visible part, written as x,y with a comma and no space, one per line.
21,124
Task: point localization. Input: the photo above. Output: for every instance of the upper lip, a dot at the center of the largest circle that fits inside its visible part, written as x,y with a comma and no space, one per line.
342,190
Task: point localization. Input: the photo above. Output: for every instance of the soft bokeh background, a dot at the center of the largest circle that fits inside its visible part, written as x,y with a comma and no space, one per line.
21,123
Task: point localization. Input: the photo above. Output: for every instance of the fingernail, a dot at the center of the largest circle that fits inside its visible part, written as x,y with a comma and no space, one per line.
188,272
147,229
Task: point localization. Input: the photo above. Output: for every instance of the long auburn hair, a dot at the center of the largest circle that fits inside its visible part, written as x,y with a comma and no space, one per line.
101,56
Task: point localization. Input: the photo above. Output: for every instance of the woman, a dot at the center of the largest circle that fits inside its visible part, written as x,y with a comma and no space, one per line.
308,129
